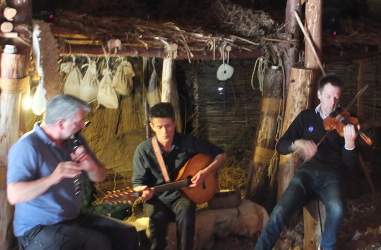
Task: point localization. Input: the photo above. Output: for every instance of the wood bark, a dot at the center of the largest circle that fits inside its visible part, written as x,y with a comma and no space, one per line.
298,99
166,80
313,219
6,27
291,53
265,136
14,81
97,51
14,68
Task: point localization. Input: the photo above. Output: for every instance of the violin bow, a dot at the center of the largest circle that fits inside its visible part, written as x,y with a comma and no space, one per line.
349,105
357,96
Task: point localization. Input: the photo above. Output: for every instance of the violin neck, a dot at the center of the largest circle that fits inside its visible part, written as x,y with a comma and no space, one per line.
365,138
359,132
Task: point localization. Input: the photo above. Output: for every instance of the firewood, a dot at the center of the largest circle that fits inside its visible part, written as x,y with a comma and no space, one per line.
6,27
9,13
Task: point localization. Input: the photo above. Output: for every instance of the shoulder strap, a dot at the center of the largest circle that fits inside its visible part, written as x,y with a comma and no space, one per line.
159,157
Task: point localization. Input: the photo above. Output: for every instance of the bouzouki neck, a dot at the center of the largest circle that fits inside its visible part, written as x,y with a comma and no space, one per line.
172,185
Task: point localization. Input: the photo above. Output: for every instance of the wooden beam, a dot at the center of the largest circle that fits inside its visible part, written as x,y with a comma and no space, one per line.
98,51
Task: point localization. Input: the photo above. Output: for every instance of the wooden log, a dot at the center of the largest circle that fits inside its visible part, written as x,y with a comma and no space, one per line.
314,28
6,27
313,219
114,43
13,83
298,99
18,66
9,13
166,80
290,57
9,35
256,188
97,51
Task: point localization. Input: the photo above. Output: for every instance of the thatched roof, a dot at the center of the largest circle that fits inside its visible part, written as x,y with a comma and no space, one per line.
199,28
224,25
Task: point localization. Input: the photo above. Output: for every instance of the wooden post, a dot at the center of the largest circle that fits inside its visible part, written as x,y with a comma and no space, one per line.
290,57
14,80
298,99
166,78
265,136
312,218
361,84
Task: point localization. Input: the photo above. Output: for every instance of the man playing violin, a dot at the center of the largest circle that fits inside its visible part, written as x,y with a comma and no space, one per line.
322,175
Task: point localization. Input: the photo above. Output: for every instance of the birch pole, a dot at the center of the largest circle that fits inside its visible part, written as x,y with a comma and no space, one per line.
290,57
313,220
298,99
167,75
14,81
265,136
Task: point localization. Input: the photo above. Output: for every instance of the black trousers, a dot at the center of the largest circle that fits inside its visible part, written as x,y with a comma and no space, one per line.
160,214
86,232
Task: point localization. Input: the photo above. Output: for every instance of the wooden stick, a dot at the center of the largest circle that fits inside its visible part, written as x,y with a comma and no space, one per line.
6,27
9,35
307,36
9,13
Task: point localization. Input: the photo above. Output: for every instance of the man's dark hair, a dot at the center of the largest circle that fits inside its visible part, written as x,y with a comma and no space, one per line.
162,110
332,79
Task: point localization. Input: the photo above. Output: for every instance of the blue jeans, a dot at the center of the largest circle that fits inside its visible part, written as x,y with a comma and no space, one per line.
329,187
86,232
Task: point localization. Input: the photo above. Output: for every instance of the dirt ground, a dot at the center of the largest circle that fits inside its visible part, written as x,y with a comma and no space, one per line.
361,230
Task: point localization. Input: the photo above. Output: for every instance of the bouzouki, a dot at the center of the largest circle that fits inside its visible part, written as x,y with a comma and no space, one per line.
199,194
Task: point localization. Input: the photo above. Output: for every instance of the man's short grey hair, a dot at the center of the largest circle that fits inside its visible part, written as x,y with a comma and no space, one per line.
63,107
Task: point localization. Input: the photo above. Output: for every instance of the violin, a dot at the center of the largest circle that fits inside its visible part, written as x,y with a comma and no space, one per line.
340,117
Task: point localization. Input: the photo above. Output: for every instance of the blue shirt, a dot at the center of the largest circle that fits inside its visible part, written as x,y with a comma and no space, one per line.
33,157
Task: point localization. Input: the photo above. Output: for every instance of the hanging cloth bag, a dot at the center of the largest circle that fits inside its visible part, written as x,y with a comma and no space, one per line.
153,91
89,83
122,81
73,81
39,100
106,93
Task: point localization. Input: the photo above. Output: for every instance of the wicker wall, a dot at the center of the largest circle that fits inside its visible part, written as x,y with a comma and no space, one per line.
348,72
225,116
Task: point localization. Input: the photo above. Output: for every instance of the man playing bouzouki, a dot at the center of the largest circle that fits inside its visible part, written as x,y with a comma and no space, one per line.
176,149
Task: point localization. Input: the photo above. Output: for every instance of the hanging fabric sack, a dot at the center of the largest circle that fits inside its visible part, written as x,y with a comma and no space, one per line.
65,68
106,93
73,81
122,81
39,100
89,83
153,91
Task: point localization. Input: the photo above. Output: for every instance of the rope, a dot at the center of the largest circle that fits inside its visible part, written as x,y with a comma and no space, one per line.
259,66
14,85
